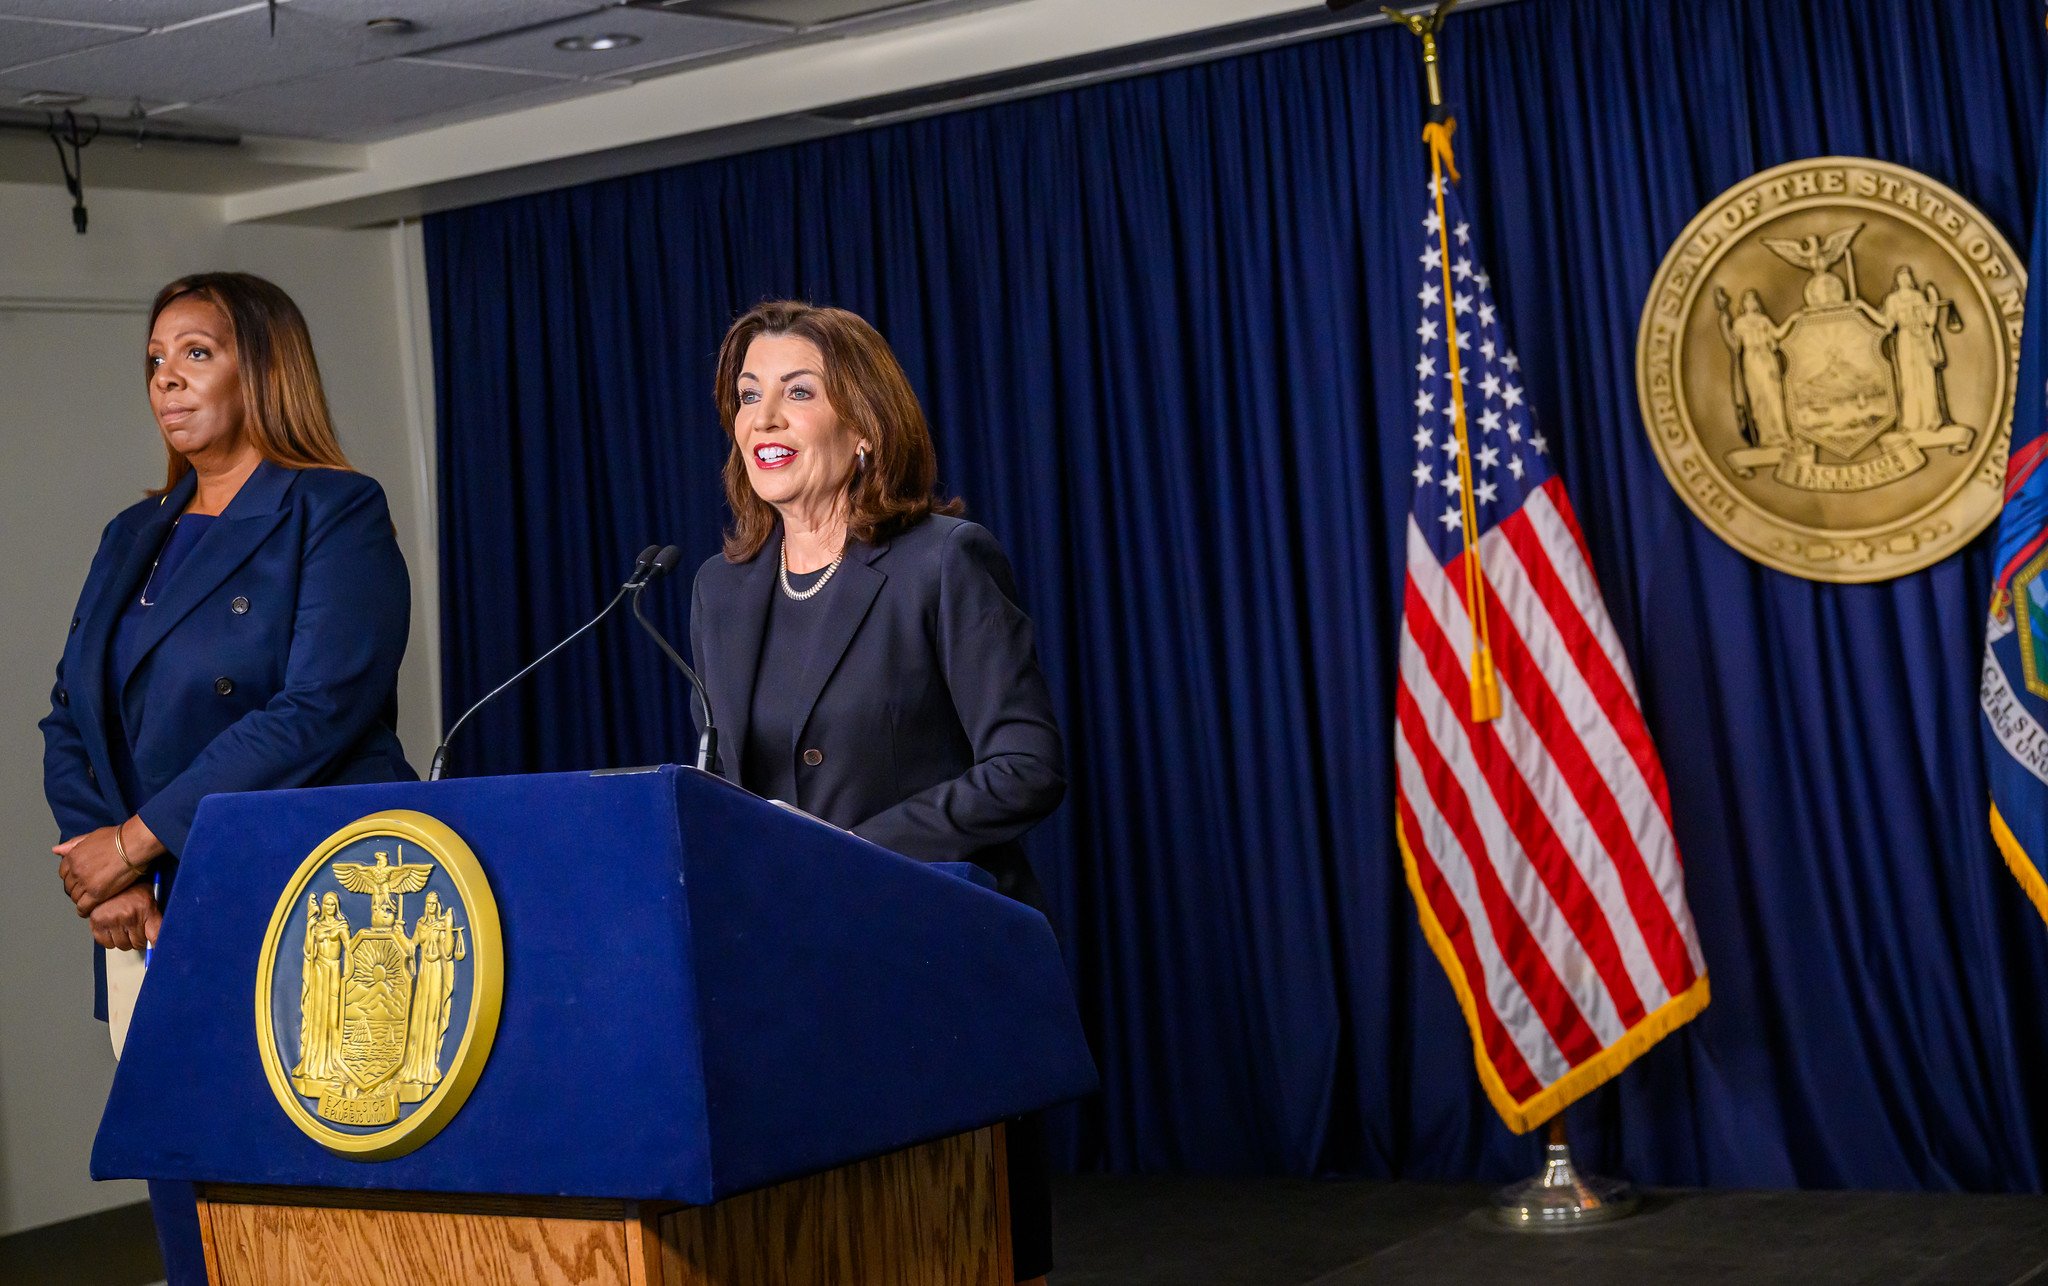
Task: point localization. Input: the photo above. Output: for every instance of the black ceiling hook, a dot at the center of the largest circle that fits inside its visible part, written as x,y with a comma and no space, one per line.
70,134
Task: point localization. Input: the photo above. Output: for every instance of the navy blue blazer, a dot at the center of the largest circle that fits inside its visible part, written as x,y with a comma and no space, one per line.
270,659
930,728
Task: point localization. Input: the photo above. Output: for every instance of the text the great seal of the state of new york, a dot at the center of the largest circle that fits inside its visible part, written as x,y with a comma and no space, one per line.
1826,364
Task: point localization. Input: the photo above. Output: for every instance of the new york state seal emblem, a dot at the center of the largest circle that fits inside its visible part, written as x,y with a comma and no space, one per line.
1827,362
373,1019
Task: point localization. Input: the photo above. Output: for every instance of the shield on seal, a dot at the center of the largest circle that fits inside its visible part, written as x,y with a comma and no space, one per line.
376,998
1839,391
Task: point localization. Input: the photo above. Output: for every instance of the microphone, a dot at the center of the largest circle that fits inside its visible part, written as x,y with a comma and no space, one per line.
643,571
644,564
707,741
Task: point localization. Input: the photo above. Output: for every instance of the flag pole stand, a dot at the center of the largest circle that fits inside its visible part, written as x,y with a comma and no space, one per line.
1559,1198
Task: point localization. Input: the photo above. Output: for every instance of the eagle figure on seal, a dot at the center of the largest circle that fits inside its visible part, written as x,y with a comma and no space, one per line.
381,881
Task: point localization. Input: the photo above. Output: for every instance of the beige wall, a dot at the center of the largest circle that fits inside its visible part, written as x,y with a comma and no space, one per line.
77,445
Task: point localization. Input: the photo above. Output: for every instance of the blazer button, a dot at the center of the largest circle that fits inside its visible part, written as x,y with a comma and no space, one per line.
814,757
224,685
74,625
92,774
240,606
63,697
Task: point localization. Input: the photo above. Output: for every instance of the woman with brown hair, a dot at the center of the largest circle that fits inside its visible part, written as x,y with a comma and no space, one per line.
241,629
864,642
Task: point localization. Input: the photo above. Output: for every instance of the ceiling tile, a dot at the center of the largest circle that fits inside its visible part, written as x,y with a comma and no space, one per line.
375,100
24,40
661,37
108,109
207,58
145,14
797,13
435,22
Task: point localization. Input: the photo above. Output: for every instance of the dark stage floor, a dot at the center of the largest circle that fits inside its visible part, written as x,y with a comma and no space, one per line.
1170,1231
1116,1231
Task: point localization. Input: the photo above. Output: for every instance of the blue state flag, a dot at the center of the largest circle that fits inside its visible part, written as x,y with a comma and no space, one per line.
2015,680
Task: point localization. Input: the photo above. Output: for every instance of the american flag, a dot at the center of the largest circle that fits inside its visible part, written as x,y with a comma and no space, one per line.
1538,843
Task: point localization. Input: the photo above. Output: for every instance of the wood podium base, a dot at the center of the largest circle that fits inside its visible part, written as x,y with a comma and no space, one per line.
932,1215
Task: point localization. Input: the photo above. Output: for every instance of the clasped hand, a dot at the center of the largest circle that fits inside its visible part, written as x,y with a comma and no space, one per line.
93,869
102,884
127,921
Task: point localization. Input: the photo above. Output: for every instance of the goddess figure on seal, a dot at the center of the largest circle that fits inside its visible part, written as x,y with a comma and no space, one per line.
439,943
325,961
1759,380
1916,313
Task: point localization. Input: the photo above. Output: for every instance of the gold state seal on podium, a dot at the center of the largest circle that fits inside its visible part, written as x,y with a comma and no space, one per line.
1827,362
374,1023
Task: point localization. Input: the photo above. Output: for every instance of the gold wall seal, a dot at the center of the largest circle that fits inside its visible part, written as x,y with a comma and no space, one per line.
1827,362
355,1002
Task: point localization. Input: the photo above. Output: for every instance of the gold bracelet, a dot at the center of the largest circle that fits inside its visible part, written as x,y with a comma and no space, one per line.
122,849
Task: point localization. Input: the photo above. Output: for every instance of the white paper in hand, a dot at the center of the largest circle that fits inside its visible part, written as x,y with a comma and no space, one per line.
124,983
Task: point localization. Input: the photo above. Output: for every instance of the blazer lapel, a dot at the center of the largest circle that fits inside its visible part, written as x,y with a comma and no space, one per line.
87,686
244,525
730,670
862,581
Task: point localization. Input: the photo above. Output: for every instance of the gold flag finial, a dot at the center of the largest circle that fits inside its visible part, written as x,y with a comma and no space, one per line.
1425,25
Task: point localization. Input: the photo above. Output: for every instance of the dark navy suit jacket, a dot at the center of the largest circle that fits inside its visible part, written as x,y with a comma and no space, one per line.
270,659
930,728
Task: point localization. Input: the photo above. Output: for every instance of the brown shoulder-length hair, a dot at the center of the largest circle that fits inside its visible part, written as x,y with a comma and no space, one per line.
897,488
284,404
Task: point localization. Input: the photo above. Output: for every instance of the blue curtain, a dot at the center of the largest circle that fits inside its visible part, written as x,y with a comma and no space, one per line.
1164,330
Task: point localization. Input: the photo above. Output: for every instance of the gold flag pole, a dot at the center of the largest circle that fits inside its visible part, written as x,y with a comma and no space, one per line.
1442,161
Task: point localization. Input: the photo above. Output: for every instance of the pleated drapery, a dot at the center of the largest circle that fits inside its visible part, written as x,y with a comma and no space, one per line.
1165,331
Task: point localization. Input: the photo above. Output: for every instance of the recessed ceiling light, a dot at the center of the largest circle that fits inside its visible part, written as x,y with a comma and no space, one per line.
390,26
50,98
596,44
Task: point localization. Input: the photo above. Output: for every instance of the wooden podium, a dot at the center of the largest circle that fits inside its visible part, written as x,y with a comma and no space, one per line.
735,1046
931,1215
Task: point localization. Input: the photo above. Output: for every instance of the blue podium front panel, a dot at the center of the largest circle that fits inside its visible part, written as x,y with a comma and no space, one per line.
701,993
854,1001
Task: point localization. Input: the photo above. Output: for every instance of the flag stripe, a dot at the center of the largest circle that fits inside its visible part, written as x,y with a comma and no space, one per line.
1444,596
1570,774
1501,1051
1572,765
1551,1034
1532,936
1616,739
1588,758
1553,522
1582,649
1572,905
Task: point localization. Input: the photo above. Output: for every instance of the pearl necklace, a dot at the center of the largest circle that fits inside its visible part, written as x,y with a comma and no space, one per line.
812,592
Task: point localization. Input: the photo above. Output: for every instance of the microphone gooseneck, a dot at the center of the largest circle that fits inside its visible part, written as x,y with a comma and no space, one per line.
707,740
643,571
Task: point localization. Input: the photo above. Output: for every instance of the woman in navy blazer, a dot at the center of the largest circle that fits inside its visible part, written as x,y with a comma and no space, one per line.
862,646
239,630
